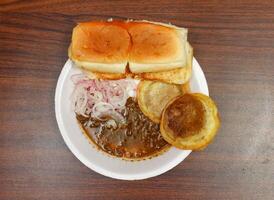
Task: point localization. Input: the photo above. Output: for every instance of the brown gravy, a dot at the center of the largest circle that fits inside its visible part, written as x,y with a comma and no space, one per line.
139,137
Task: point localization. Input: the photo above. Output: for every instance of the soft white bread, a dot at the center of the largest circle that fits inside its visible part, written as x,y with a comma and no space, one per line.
146,47
100,46
175,76
105,76
156,47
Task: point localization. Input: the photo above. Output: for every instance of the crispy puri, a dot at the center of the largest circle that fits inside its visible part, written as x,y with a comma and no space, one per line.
152,97
190,121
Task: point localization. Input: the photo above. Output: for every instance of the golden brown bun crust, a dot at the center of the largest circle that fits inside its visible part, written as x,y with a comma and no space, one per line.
104,76
174,76
152,43
100,42
107,47
108,76
190,121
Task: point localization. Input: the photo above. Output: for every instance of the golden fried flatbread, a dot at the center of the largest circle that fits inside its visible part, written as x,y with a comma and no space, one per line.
104,76
153,96
190,121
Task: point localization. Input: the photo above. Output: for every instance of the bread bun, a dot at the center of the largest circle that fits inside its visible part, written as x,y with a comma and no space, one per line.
104,76
156,47
108,47
175,76
100,46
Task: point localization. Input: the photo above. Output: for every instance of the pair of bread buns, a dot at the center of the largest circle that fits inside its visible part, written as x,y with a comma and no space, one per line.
141,49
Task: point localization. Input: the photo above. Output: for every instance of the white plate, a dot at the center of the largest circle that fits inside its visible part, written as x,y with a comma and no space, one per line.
99,161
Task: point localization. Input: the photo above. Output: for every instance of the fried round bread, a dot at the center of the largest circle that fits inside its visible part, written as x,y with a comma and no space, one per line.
153,96
190,121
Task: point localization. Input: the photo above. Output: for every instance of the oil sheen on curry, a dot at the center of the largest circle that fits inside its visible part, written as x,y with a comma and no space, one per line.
136,138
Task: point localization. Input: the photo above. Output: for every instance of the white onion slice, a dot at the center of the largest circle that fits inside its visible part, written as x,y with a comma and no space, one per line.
80,99
95,96
102,98
76,78
101,109
111,123
118,117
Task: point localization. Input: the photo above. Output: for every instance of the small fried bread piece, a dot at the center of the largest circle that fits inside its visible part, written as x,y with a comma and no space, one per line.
153,96
190,121
104,76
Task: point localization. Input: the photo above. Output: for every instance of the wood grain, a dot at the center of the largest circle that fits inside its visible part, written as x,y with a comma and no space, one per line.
232,40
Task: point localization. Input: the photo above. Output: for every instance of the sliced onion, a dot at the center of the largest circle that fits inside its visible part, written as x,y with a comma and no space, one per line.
80,99
115,115
132,87
111,123
101,109
88,110
117,97
76,78
101,98
118,117
95,96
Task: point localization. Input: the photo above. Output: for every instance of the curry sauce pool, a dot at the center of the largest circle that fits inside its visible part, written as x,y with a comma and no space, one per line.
138,137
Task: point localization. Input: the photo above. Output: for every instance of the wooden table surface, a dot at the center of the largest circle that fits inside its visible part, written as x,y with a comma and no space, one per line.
232,40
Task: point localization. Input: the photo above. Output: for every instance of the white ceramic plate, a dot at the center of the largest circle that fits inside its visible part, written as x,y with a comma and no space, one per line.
99,161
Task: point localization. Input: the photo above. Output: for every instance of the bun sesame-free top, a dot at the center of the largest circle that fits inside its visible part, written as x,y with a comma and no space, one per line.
108,47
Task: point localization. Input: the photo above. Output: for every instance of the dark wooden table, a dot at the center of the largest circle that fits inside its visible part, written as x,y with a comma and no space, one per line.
234,43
